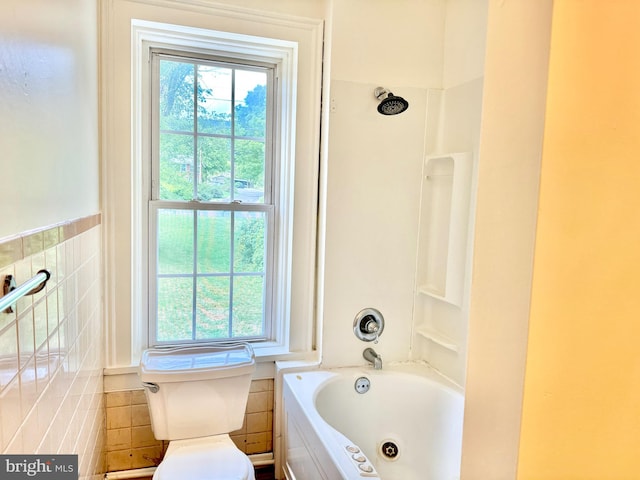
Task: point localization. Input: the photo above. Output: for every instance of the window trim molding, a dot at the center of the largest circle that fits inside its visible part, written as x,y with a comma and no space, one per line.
300,23
147,35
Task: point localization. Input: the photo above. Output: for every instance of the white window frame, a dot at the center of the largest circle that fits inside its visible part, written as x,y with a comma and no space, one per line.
284,55
270,207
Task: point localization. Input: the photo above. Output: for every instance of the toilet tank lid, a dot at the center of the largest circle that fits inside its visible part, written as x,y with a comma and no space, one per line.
178,364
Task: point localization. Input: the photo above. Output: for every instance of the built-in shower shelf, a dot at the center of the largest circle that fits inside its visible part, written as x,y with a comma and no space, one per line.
434,292
438,338
444,222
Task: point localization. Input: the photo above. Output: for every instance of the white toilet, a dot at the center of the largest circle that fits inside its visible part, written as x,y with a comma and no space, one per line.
196,396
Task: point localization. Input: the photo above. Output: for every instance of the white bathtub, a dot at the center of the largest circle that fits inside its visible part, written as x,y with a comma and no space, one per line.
409,413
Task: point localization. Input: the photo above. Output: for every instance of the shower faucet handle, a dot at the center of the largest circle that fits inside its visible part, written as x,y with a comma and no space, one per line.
368,325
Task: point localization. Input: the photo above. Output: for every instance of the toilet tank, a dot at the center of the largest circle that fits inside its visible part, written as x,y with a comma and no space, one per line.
201,390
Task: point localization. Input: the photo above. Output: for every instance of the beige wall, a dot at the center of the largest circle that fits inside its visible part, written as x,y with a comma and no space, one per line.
48,112
52,346
569,311
510,153
582,386
397,44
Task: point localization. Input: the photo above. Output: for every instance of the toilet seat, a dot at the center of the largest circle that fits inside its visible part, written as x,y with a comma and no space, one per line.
207,458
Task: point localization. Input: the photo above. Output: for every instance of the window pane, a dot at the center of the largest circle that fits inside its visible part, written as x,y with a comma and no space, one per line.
249,239
214,99
251,103
214,157
175,300
248,306
212,307
214,242
176,96
175,241
176,167
249,171
210,265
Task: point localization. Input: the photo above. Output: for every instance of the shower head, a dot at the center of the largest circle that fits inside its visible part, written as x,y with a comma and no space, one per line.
389,103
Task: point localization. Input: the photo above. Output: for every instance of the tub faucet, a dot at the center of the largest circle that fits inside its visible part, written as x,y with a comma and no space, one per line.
370,355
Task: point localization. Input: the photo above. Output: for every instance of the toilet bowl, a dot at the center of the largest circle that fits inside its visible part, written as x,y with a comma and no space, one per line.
214,457
197,395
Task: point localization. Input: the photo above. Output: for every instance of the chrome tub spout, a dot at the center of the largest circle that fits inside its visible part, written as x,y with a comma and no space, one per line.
371,356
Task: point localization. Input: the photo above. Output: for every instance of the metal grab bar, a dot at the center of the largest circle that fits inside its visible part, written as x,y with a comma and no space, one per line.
29,287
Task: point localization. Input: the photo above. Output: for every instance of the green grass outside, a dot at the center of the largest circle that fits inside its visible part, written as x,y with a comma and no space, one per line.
213,280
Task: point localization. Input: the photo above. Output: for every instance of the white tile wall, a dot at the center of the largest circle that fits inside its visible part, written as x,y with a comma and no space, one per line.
51,357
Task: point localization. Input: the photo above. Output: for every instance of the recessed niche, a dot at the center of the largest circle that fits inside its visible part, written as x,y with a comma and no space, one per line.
443,226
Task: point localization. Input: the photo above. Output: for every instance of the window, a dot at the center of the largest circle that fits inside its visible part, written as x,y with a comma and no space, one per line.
281,315
217,138
211,207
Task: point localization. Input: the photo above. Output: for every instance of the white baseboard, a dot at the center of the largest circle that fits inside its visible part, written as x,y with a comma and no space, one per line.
122,474
258,460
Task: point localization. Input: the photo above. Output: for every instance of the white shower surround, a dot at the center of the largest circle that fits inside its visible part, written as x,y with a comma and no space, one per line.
435,60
